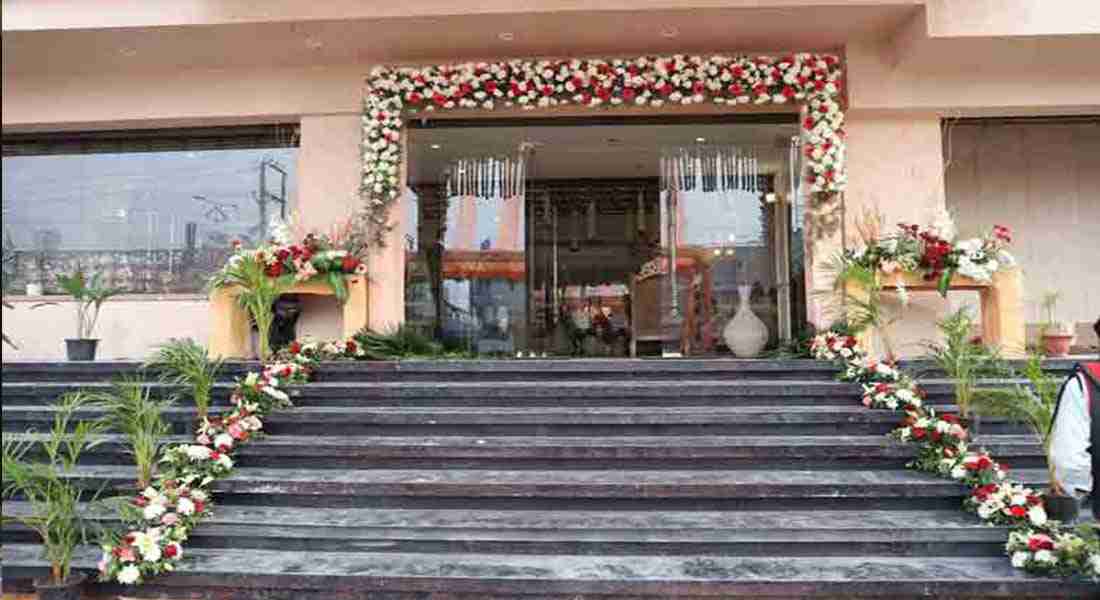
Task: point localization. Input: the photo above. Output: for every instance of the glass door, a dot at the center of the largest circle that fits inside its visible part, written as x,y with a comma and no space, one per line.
724,274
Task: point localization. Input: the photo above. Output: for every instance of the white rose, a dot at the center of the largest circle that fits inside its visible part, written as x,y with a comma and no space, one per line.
153,511
984,511
197,452
199,495
959,472
1037,515
1046,556
185,506
1094,562
1019,559
223,440
129,575
225,461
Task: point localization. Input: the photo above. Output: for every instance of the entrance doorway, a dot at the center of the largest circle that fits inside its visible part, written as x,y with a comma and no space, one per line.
565,238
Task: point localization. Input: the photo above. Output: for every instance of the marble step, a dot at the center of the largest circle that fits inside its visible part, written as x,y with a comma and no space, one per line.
572,452
258,574
608,420
732,533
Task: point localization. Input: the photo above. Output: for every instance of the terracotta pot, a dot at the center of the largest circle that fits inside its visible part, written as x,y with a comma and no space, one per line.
81,349
1057,345
1060,508
72,589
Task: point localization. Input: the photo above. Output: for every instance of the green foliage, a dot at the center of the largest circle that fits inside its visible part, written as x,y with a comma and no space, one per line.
403,341
256,292
1032,405
56,513
186,362
89,294
866,311
131,411
964,360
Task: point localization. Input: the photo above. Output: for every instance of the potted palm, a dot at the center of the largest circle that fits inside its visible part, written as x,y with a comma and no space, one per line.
964,362
89,293
54,503
131,410
1034,405
186,362
1057,335
257,287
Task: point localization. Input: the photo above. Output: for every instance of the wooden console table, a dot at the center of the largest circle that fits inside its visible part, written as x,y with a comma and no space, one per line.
1002,307
231,326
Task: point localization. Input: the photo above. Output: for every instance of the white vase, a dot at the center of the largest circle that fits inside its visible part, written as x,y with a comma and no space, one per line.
745,334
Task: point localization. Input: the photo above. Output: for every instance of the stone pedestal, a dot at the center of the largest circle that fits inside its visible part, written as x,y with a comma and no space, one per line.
1002,307
230,325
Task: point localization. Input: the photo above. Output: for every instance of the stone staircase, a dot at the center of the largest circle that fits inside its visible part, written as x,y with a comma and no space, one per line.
565,479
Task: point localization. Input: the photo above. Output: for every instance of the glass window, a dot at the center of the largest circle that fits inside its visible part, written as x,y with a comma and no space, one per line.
154,212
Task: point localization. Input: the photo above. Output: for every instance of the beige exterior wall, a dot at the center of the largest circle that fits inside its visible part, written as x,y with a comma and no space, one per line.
1042,179
909,62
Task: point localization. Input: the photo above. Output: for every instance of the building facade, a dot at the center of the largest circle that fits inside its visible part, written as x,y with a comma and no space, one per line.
140,142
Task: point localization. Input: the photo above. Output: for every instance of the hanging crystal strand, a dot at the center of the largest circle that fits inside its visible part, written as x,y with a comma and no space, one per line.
755,174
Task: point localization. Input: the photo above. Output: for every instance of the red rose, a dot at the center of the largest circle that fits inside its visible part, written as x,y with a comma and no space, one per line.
808,123
547,90
351,347
819,85
274,270
170,551
735,89
737,71
628,94
760,89
140,500
294,347
1040,542
666,89
578,83
918,432
698,87
490,86
415,98
788,92
200,506
215,455
349,263
1018,511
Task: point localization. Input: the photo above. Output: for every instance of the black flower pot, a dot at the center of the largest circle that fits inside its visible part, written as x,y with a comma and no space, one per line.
81,349
72,589
1061,508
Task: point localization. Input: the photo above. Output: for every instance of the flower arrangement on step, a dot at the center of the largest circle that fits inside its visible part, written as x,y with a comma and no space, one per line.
816,80
932,251
161,517
1036,543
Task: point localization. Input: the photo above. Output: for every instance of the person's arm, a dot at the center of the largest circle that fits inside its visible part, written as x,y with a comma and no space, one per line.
1070,440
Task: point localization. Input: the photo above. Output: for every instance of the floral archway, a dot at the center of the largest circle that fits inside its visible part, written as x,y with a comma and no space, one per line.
814,80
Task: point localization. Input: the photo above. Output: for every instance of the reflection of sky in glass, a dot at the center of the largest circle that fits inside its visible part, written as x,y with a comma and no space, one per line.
138,200
721,218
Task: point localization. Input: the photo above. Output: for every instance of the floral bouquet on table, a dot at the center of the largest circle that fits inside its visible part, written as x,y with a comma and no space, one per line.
935,253
291,251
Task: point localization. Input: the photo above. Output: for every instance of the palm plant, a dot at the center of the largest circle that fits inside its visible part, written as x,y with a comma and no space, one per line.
186,362
403,341
964,360
89,294
865,311
1033,405
256,292
55,510
132,411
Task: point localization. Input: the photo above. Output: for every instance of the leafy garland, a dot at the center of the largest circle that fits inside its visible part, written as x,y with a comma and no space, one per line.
1036,544
161,517
653,81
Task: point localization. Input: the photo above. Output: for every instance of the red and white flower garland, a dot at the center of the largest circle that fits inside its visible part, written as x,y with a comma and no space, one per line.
162,516
654,81
1036,544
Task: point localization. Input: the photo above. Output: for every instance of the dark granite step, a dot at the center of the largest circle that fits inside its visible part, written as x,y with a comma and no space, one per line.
467,370
610,484
607,420
569,452
748,533
362,574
